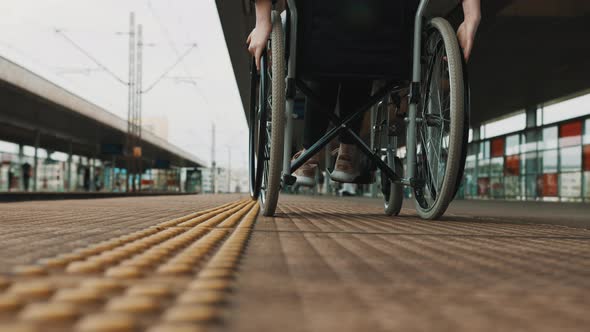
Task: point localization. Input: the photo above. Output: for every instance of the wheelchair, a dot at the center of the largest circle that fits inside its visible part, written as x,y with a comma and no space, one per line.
436,121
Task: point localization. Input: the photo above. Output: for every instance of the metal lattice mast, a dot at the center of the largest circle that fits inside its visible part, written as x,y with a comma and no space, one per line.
138,102
131,105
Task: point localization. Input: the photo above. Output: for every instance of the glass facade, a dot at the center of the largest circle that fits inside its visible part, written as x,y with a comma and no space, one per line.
549,162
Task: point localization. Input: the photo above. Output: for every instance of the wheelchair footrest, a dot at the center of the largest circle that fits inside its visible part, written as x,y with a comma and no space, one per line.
366,177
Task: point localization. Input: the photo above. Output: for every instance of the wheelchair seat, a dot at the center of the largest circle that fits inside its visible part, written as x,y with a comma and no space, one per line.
355,39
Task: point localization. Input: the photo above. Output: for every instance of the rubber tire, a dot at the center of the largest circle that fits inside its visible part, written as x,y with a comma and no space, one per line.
270,195
454,58
393,205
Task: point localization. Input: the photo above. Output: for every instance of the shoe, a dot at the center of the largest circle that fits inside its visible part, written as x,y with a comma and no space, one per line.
306,173
346,169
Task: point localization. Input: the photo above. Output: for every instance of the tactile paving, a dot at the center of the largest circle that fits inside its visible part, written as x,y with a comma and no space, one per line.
157,278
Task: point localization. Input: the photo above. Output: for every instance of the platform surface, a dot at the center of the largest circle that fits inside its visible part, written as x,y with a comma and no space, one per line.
321,264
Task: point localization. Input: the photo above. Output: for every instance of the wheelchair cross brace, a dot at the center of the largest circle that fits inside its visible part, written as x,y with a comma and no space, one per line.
342,125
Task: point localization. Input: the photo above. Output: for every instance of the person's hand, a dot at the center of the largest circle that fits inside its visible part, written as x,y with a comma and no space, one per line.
466,36
257,40
468,29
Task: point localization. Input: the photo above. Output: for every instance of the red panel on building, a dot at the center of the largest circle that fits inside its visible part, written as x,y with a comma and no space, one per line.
547,185
570,129
498,147
586,158
512,165
570,133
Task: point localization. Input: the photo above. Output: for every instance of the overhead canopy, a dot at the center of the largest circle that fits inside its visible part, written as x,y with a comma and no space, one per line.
31,105
527,52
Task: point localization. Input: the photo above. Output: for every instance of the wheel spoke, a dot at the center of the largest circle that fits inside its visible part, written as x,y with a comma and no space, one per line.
434,130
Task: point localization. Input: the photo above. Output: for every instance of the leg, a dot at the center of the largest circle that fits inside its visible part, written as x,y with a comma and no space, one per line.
316,121
315,126
352,95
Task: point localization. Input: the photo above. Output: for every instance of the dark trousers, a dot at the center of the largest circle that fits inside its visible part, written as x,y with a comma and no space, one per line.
350,94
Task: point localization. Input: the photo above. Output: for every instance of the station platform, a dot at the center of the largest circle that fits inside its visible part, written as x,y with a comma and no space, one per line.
210,262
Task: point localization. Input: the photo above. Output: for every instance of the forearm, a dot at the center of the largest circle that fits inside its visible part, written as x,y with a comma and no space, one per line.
263,8
472,10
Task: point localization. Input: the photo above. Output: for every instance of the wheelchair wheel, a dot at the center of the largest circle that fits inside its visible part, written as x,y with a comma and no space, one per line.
393,193
440,131
267,121
385,129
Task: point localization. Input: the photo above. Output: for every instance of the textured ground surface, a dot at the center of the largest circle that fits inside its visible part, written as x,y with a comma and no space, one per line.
321,264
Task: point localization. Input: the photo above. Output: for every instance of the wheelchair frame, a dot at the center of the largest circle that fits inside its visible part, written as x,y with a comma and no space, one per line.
341,125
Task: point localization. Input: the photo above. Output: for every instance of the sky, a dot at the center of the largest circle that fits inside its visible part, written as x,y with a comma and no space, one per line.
28,37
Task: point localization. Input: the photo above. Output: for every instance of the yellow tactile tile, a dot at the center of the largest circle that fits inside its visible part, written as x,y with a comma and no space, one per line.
175,269
107,322
192,314
84,267
29,270
49,312
210,285
124,272
10,303
150,290
4,283
32,290
133,304
176,327
180,270
214,273
102,284
54,262
201,297
19,327
78,295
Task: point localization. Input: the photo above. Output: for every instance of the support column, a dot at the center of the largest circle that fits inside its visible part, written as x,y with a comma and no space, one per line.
36,163
531,117
475,141
92,172
69,168
21,161
113,166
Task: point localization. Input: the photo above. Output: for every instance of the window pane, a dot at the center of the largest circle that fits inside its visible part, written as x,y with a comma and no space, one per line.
498,147
531,137
571,159
483,187
531,185
472,149
470,185
587,131
484,150
570,184
497,187
549,140
587,157
570,133
547,185
512,144
483,169
512,165
497,166
531,163
511,186
549,161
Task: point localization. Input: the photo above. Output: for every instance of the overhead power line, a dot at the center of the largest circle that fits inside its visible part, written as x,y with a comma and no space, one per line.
89,56
173,46
179,60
